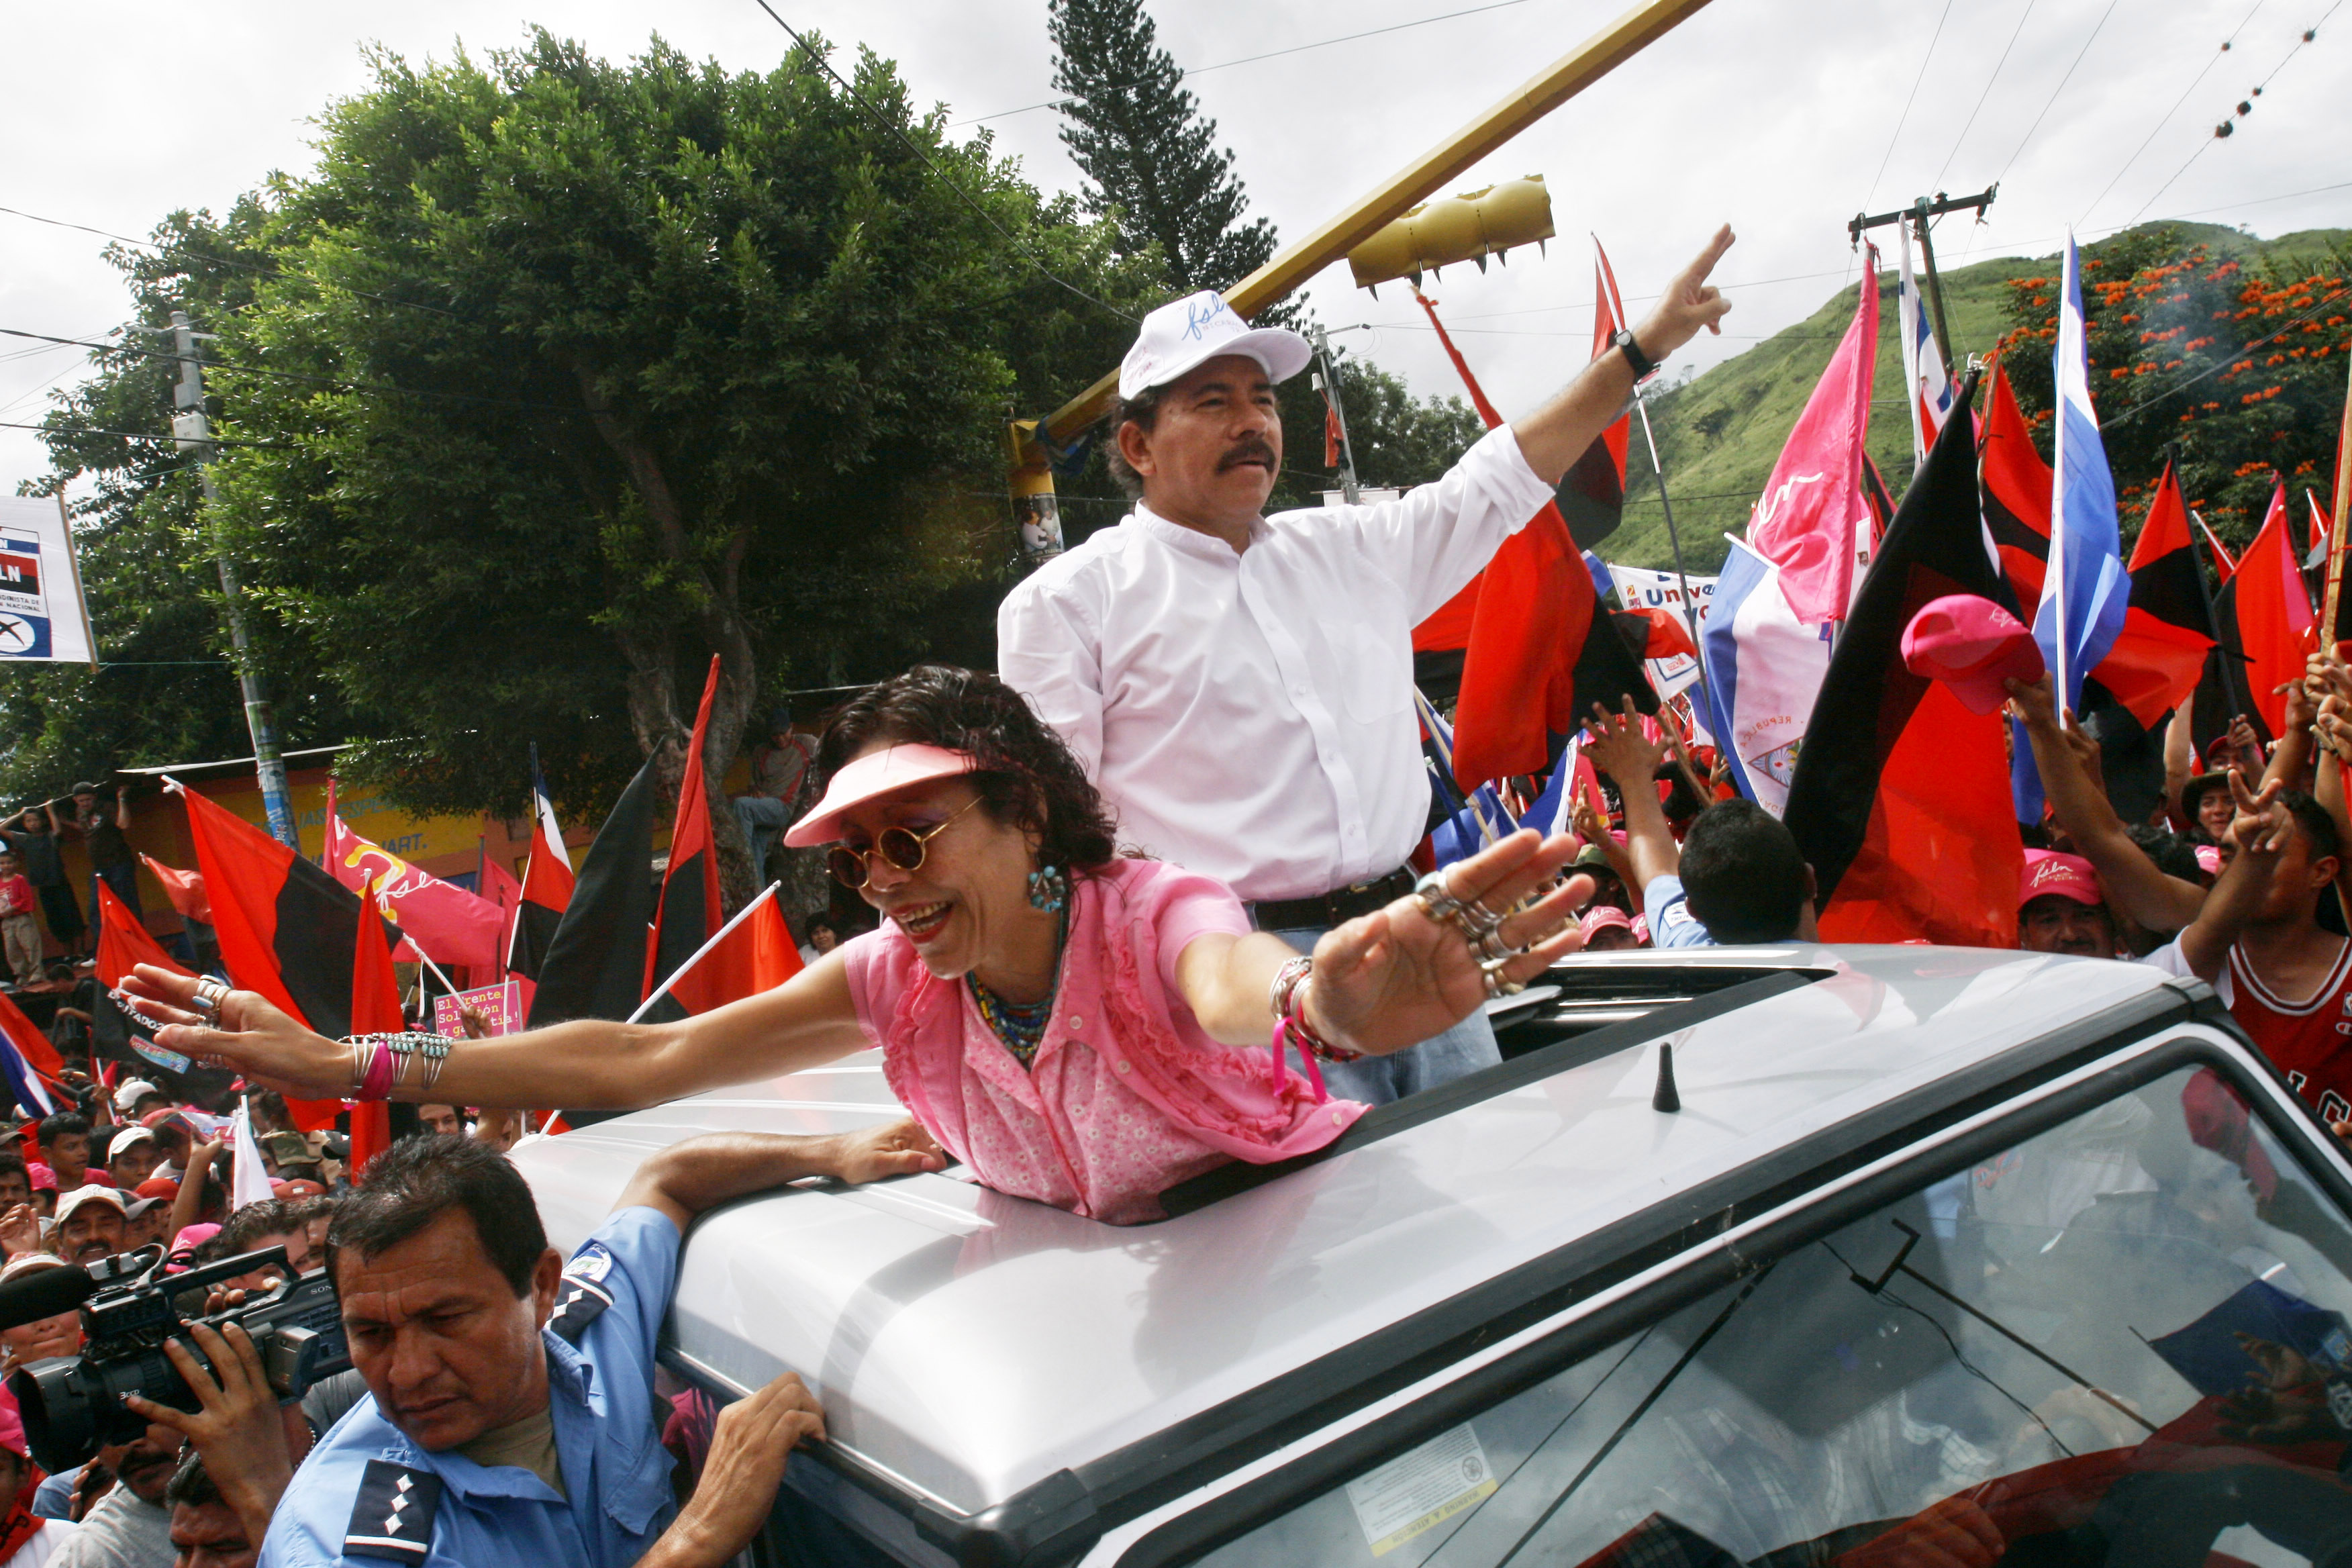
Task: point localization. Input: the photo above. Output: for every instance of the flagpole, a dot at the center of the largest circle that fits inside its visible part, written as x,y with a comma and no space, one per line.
741,916
1674,539
2337,529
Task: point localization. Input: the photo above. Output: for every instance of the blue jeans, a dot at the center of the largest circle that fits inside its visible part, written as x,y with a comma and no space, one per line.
763,819
1441,1059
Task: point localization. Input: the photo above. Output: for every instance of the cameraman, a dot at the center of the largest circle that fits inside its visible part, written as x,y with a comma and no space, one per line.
510,1411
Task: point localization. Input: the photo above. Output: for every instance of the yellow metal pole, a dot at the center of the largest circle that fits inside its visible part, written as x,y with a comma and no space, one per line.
1603,52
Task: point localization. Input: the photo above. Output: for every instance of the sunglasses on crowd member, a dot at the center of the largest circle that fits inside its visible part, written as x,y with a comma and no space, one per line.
902,846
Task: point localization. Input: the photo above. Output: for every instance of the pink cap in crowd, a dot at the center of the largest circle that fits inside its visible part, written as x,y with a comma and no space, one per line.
2068,876
1602,917
2208,859
1971,645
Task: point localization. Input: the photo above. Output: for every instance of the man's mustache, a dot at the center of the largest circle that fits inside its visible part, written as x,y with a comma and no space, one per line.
1257,449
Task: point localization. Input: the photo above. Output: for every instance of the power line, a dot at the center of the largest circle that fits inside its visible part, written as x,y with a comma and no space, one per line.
2310,33
2054,91
895,128
326,381
1971,123
1908,100
269,271
135,435
2166,118
1246,60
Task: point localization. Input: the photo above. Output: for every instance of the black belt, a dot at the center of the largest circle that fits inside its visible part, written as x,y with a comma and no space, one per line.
1339,905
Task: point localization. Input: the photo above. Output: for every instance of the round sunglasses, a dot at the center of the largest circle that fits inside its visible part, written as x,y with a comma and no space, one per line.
902,846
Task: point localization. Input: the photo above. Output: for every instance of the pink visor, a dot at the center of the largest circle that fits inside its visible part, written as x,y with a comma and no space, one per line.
1971,645
871,776
1601,918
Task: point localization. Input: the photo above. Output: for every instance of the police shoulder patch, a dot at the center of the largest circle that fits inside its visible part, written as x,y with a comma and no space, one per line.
394,1517
581,1296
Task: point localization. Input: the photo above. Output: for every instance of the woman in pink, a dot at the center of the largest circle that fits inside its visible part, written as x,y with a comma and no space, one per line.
1079,1027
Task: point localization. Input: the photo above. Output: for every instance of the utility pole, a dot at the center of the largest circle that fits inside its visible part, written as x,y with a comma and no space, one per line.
1916,214
192,431
1327,380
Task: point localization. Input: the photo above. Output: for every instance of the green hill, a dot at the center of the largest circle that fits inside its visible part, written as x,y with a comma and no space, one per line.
1720,434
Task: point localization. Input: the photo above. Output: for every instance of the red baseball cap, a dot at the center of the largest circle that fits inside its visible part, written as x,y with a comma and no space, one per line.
1971,645
2068,876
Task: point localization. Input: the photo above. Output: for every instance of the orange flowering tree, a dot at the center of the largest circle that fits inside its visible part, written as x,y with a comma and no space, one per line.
2237,369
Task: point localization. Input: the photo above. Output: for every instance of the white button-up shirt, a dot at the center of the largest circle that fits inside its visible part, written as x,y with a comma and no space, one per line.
1249,716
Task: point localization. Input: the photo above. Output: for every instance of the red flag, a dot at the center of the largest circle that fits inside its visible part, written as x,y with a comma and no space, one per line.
758,955
1816,511
375,1010
1331,433
688,911
450,925
184,888
1529,621
2274,614
123,942
1669,637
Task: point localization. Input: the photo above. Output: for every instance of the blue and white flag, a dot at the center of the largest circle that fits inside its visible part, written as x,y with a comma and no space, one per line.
2085,590
1482,819
1922,364
1764,668
32,1095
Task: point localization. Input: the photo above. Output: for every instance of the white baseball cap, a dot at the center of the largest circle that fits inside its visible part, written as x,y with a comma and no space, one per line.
130,1094
1199,328
82,1197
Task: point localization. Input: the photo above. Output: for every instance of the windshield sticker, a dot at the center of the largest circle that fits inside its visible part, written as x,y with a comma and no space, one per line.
1422,1490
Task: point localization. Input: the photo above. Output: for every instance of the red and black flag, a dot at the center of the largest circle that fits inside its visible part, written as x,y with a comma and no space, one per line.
1901,801
286,928
547,882
2168,628
2015,484
690,912
595,966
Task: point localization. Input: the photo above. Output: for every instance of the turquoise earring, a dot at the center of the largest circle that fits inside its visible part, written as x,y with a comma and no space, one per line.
1048,890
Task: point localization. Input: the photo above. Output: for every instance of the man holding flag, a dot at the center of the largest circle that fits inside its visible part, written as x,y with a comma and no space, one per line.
1240,688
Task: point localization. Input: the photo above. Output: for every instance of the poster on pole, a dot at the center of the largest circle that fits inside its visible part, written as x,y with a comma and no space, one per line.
1641,589
43,616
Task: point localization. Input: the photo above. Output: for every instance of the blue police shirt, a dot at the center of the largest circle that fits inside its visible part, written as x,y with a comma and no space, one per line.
367,1496
1671,922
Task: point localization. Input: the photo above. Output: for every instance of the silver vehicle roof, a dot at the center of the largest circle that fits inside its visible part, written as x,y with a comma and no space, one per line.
969,1347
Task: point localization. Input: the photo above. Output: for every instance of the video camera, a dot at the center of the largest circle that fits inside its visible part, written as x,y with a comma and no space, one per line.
73,1406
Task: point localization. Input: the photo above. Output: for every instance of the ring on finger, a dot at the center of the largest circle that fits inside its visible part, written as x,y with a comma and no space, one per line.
210,995
1437,900
1500,985
1489,945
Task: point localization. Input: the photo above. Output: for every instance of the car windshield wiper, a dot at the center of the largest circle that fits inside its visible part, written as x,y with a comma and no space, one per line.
1639,1411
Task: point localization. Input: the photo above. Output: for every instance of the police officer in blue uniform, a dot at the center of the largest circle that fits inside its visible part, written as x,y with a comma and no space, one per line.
510,1420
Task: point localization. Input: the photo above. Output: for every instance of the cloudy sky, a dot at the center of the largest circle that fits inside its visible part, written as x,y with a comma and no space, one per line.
1781,117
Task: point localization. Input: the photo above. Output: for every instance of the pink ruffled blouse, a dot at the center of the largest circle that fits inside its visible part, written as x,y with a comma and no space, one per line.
1125,1096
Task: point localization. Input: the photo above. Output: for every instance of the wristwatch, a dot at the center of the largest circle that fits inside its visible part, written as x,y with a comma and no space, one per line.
1645,367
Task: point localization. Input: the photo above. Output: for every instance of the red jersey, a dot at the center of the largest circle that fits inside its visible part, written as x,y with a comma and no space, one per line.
2309,1041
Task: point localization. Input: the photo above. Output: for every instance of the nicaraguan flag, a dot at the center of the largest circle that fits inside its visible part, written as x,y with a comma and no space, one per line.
32,1094
1764,668
2085,590
1603,584
1924,371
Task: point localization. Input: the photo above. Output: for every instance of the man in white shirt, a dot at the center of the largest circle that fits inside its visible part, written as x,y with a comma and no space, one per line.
1240,687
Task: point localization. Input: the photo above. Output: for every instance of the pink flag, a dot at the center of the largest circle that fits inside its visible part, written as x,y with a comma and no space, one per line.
1814,515
449,924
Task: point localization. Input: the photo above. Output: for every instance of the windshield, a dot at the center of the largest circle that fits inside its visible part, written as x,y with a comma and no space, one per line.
2121,1342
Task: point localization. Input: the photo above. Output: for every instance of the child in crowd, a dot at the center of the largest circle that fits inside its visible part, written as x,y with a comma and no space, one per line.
20,934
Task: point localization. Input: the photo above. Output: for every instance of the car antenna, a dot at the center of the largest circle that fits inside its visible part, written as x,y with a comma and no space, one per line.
1665,1097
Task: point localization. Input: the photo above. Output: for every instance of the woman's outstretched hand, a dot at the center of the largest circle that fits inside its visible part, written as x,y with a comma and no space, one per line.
1395,977
255,1038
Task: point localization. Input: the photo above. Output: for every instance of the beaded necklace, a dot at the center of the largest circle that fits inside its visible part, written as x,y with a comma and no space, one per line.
1021,1027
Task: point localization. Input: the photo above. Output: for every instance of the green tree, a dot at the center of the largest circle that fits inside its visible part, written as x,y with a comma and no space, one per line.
166,691
580,373
2238,368
1150,156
